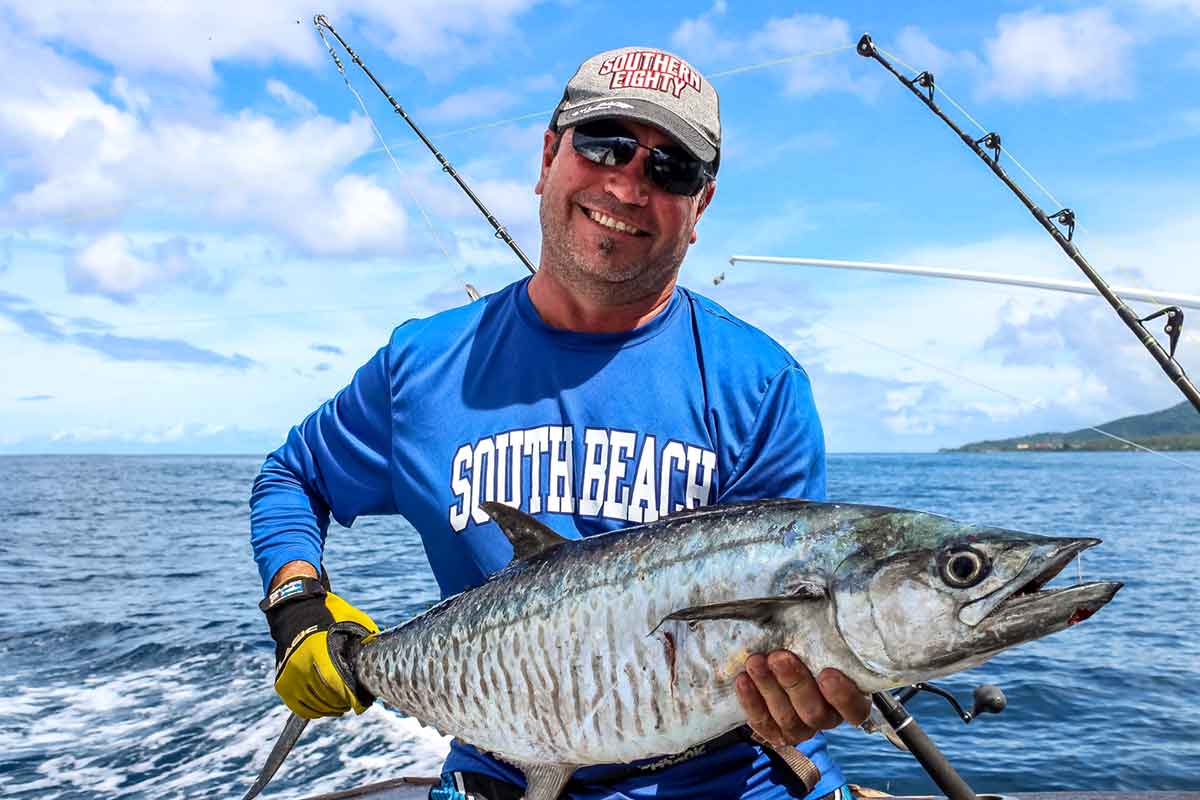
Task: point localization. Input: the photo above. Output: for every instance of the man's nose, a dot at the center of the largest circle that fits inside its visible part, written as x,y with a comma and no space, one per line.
629,183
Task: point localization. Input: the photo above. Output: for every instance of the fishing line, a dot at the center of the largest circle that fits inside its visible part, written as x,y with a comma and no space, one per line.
923,86
778,61
346,80
320,21
1003,148
481,127
938,88
710,76
1034,404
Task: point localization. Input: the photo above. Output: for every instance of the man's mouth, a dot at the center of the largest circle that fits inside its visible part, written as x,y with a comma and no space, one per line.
612,223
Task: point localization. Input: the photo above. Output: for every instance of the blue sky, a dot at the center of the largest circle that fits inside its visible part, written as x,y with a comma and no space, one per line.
201,239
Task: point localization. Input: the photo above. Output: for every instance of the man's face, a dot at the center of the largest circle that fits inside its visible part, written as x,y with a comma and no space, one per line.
582,202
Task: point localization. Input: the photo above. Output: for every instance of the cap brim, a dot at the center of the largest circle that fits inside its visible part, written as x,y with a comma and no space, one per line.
643,111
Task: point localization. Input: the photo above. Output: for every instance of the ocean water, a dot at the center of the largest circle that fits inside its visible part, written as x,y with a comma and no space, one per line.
134,662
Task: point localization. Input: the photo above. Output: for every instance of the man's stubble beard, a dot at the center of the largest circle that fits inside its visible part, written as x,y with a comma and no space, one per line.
592,275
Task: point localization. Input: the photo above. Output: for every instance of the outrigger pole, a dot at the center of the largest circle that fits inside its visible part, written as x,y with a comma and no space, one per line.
923,86
1076,287
320,21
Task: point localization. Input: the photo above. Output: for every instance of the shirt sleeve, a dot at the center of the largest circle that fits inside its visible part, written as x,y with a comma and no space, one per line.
784,453
335,463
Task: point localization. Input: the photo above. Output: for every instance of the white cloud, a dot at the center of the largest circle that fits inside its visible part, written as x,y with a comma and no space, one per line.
938,363
87,160
1110,369
185,40
134,98
480,103
116,267
109,267
901,399
1171,6
699,35
1179,125
1035,53
701,40
1060,350
188,39
28,64
356,215
290,98
185,437
919,51
440,36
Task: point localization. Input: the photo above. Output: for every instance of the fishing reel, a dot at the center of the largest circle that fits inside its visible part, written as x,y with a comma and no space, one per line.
988,699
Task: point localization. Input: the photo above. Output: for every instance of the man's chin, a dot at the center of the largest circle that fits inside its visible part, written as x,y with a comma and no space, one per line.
616,275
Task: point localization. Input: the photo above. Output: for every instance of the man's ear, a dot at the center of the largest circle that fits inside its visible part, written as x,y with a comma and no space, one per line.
550,142
706,196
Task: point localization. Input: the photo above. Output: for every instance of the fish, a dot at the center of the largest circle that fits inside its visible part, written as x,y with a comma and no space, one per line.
625,646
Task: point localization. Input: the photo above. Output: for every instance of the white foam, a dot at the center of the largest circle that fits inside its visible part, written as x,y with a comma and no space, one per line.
84,731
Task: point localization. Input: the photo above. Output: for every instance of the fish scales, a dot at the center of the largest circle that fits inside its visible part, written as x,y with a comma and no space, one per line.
617,704
624,646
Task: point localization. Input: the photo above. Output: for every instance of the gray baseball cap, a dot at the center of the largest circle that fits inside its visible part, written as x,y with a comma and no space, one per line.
647,85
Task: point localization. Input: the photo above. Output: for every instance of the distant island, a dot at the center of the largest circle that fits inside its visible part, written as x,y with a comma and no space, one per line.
1174,428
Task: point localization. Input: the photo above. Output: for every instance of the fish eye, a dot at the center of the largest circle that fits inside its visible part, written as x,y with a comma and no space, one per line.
964,568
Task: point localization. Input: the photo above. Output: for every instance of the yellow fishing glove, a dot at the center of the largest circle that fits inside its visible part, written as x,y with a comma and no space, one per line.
300,612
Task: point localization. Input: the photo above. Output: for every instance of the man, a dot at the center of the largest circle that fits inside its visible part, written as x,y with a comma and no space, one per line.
594,395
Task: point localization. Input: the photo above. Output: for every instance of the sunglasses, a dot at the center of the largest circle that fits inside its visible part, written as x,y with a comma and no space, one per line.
670,168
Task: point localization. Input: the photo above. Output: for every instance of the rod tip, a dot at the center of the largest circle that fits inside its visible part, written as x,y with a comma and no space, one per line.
866,47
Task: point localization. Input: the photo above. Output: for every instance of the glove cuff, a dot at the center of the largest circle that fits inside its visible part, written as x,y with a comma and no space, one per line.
295,611
298,588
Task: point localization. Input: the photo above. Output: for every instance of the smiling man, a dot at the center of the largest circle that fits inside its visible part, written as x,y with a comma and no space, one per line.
594,395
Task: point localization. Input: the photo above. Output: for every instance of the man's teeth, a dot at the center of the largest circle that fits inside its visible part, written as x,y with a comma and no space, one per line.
615,224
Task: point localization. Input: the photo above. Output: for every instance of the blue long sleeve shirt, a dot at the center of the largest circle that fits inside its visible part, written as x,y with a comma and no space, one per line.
587,432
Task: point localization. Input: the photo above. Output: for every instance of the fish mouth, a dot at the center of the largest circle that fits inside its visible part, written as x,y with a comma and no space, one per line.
1025,609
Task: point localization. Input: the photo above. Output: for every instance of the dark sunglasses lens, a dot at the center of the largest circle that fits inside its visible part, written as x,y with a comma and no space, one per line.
676,173
611,145
608,150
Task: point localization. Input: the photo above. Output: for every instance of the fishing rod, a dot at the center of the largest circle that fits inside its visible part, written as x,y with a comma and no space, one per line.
321,21
891,708
923,86
906,734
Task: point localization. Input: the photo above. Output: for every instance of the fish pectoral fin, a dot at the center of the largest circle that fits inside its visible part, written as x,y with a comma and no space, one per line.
527,536
545,781
758,609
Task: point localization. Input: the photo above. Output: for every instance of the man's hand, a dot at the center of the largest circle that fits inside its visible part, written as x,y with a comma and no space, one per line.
300,611
785,705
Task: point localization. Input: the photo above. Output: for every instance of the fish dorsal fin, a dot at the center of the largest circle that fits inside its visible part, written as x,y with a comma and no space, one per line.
528,536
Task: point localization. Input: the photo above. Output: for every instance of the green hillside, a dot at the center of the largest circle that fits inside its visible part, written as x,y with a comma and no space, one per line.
1174,428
